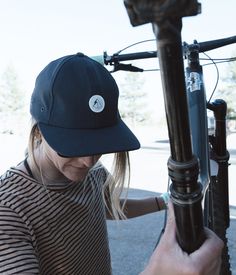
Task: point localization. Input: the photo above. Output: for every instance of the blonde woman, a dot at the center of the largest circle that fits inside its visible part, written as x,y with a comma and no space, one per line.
54,204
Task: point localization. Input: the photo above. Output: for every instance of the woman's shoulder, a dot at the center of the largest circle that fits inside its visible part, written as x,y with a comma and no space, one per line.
99,168
99,171
14,178
14,172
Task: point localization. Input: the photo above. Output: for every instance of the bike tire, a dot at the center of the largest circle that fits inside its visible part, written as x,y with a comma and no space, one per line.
216,220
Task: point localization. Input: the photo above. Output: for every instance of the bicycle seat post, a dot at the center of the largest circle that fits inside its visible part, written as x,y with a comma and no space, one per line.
186,191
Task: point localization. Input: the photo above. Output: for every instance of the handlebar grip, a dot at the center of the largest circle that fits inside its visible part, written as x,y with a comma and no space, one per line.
214,44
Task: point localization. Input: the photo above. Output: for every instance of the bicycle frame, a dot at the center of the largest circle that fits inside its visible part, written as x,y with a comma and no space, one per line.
199,129
215,184
197,111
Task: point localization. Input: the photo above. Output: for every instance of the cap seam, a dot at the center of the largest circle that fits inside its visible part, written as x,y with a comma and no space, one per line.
55,76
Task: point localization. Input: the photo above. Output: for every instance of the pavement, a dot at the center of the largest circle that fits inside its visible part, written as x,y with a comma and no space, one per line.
133,241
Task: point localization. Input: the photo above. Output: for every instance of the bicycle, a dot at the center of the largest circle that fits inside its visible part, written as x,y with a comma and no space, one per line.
194,186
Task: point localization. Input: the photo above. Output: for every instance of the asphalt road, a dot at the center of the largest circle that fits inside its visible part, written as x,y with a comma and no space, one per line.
132,241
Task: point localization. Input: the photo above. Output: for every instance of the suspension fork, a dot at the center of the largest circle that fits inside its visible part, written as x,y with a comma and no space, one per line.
186,191
221,155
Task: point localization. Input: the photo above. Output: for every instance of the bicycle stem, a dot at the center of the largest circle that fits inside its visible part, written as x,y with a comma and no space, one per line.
186,191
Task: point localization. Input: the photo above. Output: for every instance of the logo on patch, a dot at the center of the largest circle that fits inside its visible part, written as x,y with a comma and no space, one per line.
96,103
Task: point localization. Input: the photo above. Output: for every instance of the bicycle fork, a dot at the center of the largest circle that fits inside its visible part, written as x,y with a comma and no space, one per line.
221,155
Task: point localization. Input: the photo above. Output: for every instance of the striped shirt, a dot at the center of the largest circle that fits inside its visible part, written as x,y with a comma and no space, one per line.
58,229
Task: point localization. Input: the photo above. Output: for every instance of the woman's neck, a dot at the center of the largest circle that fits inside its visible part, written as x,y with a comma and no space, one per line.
43,170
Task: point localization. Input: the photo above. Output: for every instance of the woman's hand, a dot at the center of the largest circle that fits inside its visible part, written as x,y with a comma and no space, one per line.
169,259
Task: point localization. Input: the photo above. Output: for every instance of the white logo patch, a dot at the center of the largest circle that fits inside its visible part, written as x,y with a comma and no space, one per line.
96,103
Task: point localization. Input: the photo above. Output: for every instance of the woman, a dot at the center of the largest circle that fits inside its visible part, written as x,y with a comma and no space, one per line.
55,203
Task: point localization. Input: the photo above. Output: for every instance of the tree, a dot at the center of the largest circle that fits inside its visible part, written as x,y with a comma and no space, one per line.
132,99
228,90
12,101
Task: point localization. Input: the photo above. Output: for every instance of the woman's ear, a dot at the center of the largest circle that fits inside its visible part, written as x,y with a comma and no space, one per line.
37,136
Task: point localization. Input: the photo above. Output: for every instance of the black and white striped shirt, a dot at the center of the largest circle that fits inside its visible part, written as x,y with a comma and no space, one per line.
54,230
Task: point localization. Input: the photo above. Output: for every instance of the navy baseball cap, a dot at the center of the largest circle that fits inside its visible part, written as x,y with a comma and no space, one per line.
75,103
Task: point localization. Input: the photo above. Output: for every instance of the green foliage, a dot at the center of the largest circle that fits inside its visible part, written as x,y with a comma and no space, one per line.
12,101
228,90
133,97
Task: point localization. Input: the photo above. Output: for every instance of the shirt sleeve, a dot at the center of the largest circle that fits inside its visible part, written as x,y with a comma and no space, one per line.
17,255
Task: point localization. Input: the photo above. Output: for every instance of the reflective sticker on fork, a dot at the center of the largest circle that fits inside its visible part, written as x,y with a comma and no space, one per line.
194,82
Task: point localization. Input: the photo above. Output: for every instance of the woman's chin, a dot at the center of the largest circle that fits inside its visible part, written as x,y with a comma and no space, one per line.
77,177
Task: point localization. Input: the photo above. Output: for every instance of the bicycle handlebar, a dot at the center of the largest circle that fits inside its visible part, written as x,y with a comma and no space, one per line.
214,44
106,59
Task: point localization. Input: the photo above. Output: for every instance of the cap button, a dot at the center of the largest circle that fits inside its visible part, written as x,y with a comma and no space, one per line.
80,54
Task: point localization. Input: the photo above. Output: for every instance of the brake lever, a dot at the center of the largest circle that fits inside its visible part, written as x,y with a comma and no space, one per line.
126,67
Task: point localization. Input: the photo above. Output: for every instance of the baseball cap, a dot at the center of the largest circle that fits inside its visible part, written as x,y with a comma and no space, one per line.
75,103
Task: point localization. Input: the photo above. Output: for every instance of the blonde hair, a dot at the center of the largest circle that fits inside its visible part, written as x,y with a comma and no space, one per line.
115,182
34,141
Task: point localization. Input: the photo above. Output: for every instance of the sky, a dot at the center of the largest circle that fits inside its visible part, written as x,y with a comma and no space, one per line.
34,32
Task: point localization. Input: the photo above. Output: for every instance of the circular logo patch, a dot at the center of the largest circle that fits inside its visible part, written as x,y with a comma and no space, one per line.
96,103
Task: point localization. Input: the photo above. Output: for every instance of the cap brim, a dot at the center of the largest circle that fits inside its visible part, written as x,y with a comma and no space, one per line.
87,142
